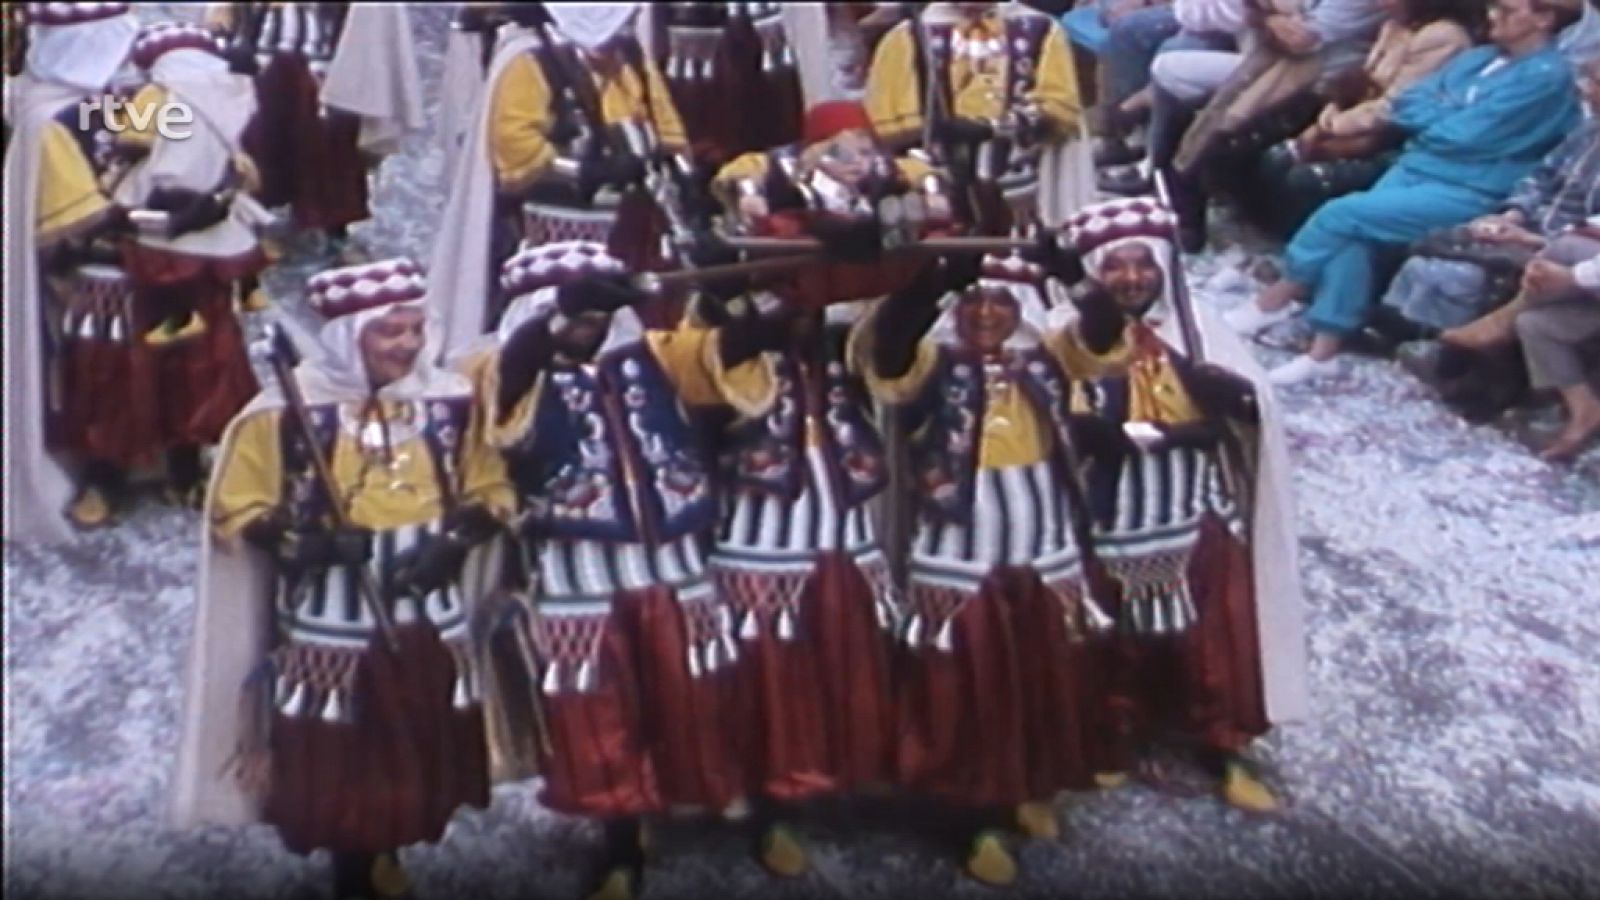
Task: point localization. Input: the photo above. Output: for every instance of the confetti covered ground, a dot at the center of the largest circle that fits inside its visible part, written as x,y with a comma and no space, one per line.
1454,749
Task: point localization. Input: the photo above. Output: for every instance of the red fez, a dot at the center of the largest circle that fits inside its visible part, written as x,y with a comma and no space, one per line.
826,120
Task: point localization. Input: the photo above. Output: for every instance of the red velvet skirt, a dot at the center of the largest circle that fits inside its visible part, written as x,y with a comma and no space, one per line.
1010,712
816,710
648,733
1204,686
204,381
125,402
393,776
306,159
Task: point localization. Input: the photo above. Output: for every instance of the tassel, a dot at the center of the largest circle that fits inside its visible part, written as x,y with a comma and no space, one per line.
713,653
1095,617
945,640
707,69
297,701
730,650
880,610
694,662
552,681
86,328
785,625
767,62
460,699
333,710
749,630
586,676
280,691
1158,610
914,631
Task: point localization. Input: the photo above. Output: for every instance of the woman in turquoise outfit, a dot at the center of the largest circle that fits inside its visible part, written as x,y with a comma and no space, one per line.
1474,128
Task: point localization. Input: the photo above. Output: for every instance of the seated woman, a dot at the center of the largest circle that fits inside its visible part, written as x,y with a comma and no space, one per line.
1351,144
1462,273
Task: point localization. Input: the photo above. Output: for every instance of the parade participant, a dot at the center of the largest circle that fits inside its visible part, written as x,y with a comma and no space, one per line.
998,710
359,732
1200,548
1004,106
338,84
732,71
55,207
797,559
844,188
635,650
571,120
190,276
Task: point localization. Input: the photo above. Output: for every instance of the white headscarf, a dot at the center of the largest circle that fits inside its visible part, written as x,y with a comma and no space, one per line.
590,25
83,55
1014,276
340,373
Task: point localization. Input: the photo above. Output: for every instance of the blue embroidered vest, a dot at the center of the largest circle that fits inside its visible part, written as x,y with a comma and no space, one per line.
611,455
767,454
946,423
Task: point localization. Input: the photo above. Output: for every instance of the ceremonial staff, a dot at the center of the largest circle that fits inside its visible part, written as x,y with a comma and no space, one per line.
284,357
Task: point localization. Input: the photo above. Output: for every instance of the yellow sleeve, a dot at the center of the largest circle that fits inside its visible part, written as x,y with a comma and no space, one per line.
669,125
250,476
893,99
70,198
499,430
692,359
894,391
1056,89
519,120
751,166
1080,363
484,478
914,170
146,104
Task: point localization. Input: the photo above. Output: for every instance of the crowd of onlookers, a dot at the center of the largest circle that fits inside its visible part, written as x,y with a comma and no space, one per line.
1433,165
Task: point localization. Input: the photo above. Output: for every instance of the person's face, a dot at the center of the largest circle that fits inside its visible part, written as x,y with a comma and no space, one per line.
1513,22
580,339
1133,277
391,343
848,157
985,320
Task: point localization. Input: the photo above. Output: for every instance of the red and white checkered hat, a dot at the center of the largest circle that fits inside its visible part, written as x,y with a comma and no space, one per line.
168,36
1004,271
1116,220
353,289
55,14
538,266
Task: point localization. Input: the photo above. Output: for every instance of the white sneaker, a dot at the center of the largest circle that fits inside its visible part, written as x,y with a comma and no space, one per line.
1302,369
1251,319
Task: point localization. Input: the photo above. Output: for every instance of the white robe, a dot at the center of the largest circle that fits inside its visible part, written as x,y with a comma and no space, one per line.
374,74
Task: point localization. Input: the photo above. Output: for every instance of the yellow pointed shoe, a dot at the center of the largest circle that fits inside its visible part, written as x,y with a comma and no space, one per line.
1110,781
1244,791
617,886
783,854
1038,821
388,879
990,862
90,509
167,333
255,301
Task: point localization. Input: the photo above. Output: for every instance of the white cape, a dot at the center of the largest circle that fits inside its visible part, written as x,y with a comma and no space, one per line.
37,485
374,74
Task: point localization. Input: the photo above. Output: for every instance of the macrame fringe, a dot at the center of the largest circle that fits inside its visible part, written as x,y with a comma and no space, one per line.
1155,593
764,602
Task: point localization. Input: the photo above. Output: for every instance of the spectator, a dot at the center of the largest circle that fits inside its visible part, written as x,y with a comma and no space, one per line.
1475,128
1351,144
1467,271
1286,51
1560,334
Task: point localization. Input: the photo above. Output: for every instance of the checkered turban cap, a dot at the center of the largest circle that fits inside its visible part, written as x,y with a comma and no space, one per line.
72,13
168,36
1116,220
341,292
552,265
